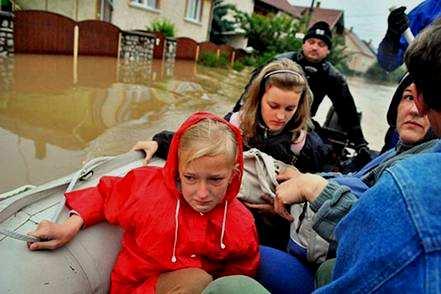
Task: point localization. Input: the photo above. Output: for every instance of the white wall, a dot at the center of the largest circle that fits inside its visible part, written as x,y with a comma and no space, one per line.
130,17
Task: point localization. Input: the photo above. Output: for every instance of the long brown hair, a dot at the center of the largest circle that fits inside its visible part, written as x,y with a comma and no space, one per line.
290,77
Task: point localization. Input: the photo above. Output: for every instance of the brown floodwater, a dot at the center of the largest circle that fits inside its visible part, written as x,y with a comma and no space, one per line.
54,116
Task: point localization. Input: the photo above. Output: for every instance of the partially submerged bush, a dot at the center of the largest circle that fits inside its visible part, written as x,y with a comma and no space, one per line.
212,60
238,66
164,26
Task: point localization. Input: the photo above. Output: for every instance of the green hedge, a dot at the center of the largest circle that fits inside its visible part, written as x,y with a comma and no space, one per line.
212,60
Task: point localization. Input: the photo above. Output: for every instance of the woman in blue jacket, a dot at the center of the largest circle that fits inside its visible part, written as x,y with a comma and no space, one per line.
277,268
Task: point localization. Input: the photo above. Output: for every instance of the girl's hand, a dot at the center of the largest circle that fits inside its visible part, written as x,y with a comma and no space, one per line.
273,206
55,235
280,209
149,148
266,208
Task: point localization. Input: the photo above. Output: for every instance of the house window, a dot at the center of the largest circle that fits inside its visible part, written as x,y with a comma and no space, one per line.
150,4
194,10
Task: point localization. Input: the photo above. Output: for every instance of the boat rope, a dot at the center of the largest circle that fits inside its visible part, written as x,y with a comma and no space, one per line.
14,192
21,197
85,171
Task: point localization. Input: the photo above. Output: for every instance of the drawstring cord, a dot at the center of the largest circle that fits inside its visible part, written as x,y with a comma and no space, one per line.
224,220
173,259
222,245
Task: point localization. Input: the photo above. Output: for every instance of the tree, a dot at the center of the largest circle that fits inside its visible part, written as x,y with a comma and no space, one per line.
220,24
338,55
270,33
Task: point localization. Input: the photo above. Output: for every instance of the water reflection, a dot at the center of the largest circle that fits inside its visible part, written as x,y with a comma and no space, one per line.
54,116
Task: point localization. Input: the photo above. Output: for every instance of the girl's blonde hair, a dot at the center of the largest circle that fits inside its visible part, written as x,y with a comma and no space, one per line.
289,76
207,138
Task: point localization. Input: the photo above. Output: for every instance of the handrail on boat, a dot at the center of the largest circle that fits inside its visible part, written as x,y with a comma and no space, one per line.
22,198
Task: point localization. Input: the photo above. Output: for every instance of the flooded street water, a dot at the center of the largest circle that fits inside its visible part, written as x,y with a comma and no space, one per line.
54,116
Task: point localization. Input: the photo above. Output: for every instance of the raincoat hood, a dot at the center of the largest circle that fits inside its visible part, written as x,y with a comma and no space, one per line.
171,167
161,232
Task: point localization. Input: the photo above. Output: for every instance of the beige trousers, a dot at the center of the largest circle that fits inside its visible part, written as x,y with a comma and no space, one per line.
184,281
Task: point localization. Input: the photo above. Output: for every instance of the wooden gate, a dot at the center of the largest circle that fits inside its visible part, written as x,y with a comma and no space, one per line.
98,38
186,48
43,32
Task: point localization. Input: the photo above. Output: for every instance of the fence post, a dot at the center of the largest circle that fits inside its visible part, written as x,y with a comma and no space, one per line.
75,54
76,37
197,53
119,46
233,56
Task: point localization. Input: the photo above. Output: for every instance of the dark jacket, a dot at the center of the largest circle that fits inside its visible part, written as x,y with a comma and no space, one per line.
324,79
312,158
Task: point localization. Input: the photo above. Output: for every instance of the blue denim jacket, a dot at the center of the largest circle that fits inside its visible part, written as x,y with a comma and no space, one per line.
354,180
391,239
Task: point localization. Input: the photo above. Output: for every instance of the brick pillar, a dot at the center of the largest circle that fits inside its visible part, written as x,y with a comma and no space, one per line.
169,55
6,34
137,46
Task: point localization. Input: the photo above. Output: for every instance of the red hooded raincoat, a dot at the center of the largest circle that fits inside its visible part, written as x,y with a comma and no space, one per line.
161,231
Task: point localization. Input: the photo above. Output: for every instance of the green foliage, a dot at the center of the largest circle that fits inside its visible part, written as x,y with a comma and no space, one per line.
256,60
270,33
338,55
219,24
238,66
164,26
212,60
377,74
6,5
223,60
249,60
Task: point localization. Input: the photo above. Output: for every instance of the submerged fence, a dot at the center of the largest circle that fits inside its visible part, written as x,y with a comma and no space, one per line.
43,32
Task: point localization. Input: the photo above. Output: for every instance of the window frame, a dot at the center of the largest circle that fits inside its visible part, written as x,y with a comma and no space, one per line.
144,5
189,18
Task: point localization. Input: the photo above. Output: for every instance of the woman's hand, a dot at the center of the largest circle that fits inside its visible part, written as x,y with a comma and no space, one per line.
149,148
55,235
287,173
302,188
297,189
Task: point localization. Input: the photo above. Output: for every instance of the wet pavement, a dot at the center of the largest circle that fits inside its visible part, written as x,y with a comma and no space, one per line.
55,116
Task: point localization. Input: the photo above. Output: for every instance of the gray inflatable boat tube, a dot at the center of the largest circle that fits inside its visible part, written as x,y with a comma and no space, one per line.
83,265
